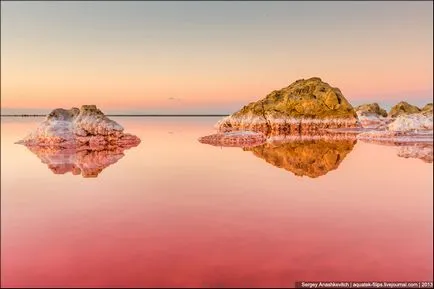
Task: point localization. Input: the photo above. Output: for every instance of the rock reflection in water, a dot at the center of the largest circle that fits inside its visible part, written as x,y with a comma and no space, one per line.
312,158
303,155
88,163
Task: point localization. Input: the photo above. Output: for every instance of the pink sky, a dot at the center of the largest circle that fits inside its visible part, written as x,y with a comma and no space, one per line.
210,57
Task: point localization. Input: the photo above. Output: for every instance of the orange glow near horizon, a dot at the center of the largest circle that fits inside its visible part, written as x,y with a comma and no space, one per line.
150,56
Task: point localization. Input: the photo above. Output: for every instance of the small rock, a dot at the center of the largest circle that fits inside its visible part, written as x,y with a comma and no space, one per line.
371,109
427,109
403,108
75,128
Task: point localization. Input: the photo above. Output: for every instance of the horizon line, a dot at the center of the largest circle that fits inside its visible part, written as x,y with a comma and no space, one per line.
129,115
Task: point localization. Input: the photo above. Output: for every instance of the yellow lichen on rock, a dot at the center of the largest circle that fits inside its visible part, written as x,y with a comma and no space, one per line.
310,99
403,108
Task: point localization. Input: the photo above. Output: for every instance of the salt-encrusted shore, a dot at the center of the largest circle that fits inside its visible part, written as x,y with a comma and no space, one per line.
330,137
409,128
84,128
278,126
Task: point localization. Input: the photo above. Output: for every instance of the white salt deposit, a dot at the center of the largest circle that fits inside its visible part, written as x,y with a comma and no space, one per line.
412,122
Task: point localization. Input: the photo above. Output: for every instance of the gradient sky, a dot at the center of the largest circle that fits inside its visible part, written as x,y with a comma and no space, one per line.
210,57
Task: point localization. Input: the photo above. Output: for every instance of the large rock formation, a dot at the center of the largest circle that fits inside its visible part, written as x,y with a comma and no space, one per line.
84,128
87,163
312,158
403,108
304,107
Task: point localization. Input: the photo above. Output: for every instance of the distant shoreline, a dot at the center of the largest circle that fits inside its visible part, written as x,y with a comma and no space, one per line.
126,115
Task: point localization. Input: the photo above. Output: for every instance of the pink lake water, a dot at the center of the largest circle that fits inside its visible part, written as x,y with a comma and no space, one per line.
175,212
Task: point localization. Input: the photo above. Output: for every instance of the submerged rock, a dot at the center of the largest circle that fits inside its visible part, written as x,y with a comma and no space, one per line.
86,127
304,107
403,108
234,139
312,158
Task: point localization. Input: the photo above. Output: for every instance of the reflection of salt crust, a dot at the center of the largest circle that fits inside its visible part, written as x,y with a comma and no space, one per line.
424,152
87,162
395,137
241,133
290,138
234,139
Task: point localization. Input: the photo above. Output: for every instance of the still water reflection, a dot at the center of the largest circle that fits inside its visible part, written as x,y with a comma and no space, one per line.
312,158
87,163
175,212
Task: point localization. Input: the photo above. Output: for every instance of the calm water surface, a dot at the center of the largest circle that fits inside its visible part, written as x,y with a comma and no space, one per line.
175,212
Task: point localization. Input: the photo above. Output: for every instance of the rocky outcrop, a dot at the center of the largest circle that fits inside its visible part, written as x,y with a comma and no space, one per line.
87,163
234,139
372,115
84,128
403,108
304,107
370,109
427,109
312,158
